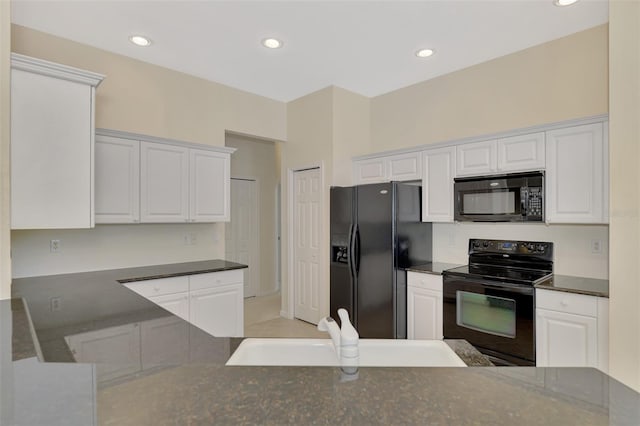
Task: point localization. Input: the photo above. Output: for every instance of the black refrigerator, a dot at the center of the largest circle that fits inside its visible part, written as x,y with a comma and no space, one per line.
376,233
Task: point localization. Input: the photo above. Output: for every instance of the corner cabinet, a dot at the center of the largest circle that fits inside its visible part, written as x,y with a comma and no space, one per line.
577,174
424,306
571,330
52,143
148,181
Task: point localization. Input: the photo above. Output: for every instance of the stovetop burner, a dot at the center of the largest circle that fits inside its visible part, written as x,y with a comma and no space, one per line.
521,262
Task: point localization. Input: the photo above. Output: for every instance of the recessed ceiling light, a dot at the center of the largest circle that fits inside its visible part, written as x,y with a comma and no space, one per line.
424,53
139,40
564,2
272,43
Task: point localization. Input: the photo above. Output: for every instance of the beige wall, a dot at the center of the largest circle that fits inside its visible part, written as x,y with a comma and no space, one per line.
309,140
257,159
351,132
146,99
624,156
143,98
559,80
5,106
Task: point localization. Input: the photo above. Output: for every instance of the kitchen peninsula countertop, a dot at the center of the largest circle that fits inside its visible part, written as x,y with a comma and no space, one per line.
186,381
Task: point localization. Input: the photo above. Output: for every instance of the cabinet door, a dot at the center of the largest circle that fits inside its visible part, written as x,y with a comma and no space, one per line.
209,183
476,158
565,340
164,341
424,311
575,181
51,152
177,304
115,350
370,171
164,183
404,166
117,180
218,310
437,184
521,153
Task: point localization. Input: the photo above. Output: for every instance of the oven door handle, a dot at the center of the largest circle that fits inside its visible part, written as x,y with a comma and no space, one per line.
514,288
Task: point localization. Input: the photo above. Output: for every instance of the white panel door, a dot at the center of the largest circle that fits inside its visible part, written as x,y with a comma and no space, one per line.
51,152
476,158
520,153
306,250
575,181
218,310
565,340
177,304
424,314
438,168
208,186
164,183
241,234
117,180
405,166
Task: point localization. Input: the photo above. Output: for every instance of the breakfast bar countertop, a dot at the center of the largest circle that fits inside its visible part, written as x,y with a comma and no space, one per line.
170,372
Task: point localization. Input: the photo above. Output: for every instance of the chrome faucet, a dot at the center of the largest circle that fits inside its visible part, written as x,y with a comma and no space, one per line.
345,341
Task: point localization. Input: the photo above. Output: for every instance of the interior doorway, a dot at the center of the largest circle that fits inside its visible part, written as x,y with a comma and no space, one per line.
242,234
306,230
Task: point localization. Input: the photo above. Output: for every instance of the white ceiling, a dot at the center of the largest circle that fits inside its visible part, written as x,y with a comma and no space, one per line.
363,46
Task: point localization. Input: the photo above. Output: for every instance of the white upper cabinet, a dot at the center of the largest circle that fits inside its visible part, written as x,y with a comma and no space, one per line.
397,167
52,121
523,152
577,175
209,186
438,167
478,158
117,180
164,183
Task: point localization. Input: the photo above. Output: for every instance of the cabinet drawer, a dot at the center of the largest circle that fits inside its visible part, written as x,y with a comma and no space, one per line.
215,279
421,280
579,304
160,286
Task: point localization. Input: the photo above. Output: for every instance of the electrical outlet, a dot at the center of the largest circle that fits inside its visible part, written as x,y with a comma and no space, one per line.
55,246
193,238
55,304
596,246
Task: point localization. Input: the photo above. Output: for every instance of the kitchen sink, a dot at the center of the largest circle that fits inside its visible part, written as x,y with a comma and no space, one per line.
320,352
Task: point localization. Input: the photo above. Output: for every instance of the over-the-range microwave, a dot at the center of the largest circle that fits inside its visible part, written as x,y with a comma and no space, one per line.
516,197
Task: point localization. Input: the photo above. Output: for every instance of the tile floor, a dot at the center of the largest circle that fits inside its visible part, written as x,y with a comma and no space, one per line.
262,319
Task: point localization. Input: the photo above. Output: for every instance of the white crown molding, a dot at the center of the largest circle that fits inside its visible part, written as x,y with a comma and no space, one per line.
138,137
52,69
509,133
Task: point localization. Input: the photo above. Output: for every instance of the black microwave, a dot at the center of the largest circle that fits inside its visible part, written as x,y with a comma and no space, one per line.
516,197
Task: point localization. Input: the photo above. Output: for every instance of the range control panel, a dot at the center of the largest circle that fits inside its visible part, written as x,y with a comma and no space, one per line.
534,248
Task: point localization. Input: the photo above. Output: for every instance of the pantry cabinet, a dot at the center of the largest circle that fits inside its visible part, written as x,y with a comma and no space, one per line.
438,168
424,306
52,144
571,330
148,181
577,184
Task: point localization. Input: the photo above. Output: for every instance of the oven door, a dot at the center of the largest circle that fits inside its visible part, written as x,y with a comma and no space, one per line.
498,318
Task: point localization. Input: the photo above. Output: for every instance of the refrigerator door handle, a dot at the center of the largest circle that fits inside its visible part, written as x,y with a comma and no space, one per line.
350,252
356,245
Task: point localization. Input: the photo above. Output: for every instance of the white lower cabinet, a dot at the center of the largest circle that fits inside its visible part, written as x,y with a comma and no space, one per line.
213,302
571,330
424,306
164,341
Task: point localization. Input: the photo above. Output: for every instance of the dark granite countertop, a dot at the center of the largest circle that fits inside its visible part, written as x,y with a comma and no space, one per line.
179,376
578,285
435,268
